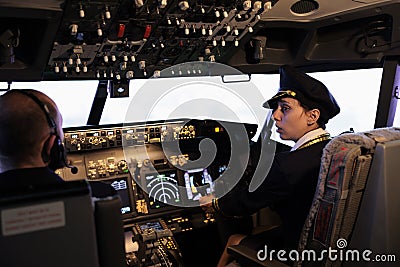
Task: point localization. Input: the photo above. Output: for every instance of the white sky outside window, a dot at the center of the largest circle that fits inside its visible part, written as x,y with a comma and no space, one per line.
356,92
73,98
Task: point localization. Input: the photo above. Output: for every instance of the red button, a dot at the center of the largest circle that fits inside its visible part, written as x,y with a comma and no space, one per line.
147,32
121,30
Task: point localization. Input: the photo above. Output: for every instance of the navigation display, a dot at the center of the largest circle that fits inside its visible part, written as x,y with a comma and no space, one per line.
163,189
121,186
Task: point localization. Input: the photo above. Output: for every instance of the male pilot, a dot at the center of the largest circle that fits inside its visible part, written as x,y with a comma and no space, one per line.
30,139
31,142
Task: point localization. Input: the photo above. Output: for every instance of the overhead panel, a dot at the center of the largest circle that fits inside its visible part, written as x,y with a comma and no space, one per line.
121,40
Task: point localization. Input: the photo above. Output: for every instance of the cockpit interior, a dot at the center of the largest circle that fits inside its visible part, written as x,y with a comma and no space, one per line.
162,100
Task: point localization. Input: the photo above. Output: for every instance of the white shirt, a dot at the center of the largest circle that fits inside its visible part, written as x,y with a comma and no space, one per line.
307,137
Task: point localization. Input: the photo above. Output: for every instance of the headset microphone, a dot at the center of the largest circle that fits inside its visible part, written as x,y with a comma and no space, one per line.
74,169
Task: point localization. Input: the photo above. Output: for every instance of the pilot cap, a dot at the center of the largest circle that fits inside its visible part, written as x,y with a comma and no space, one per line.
309,91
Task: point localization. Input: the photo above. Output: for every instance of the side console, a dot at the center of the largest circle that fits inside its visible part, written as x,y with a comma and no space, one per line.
151,243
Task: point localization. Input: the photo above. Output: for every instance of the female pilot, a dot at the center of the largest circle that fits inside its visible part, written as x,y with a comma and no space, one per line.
301,108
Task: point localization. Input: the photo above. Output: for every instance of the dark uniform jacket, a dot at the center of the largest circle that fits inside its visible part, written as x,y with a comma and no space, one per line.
288,188
14,179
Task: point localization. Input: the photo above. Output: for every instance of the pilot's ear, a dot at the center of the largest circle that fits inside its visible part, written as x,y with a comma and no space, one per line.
46,152
313,116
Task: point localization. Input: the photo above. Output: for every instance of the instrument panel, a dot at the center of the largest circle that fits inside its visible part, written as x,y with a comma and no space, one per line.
135,159
93,139
159,192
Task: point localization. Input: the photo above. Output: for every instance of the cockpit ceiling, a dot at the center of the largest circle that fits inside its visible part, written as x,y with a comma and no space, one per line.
125,39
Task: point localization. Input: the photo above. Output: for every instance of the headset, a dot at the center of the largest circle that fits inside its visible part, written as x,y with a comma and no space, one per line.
58,157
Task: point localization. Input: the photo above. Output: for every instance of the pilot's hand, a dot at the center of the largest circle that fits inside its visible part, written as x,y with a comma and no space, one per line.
206,203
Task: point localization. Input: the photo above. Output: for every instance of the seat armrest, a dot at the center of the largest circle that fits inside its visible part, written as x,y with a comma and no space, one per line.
248,257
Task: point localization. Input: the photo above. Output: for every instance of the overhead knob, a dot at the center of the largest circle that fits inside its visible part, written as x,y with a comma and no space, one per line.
183,5
108,13
81,12
210,31
56,68
74,29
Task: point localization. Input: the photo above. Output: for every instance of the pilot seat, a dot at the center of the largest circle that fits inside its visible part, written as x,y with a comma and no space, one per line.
60,225
355,206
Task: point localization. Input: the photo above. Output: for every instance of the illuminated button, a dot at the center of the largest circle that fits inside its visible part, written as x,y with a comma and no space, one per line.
268,5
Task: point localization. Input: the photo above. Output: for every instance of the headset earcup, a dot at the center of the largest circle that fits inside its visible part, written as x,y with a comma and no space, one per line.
57,155
45,156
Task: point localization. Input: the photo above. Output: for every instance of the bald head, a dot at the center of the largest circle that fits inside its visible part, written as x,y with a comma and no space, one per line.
24,127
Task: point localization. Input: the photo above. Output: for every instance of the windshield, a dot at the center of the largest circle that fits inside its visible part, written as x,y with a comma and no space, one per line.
212,98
